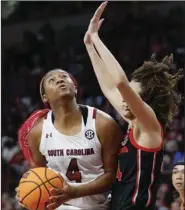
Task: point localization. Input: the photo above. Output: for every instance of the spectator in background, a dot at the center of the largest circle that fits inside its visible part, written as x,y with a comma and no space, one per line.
178,181
175,205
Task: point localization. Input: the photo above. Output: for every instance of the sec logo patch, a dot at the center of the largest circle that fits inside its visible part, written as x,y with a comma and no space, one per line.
89,134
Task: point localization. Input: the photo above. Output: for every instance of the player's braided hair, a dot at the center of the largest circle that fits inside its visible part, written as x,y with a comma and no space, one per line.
159,87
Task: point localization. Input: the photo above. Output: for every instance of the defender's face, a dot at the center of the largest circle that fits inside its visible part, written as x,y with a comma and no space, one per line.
58,84
126,111
178,177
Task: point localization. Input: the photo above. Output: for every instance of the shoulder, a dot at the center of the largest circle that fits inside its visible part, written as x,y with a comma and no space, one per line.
104,119
32,126
35,122
106,126
37,128
36,132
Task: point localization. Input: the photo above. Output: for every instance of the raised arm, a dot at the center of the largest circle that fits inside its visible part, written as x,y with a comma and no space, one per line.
104,78
143,113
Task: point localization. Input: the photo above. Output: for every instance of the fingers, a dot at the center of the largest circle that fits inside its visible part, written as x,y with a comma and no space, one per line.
22,205
51,206
100,23
56,201
99,11
19,200
55,191
58,197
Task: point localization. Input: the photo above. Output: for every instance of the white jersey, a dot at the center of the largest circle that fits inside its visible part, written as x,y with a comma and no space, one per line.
78,158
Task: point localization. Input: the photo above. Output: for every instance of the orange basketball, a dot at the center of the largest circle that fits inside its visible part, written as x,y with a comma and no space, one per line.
34,187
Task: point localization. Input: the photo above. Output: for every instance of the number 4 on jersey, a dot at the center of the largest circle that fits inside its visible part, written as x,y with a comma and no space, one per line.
73,173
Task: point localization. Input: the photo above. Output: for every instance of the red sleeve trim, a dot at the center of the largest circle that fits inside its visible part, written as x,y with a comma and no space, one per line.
94,113
136,145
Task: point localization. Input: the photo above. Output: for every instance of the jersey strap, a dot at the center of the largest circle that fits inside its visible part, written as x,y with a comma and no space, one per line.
84,111
25,129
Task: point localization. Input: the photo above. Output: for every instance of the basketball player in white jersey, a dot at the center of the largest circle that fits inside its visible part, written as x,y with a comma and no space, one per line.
78,141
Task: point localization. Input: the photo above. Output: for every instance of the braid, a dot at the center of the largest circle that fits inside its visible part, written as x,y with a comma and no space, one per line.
159,87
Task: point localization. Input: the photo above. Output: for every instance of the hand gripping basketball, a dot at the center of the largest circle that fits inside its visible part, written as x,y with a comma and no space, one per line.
35,186
60,196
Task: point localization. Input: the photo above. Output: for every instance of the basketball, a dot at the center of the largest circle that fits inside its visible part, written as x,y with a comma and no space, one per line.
34,187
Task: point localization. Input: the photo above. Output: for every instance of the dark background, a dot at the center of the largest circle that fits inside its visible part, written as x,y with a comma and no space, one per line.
40,36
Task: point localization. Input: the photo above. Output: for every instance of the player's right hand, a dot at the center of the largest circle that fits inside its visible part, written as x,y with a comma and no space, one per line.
96,20
19,199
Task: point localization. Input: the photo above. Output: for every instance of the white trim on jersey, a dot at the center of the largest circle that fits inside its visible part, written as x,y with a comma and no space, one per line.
138,176
152,181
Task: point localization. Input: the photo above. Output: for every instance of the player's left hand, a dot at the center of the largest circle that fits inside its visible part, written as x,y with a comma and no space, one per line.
96,22
60,196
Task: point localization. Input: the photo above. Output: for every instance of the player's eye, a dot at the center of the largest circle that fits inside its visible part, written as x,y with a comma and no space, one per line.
51,80
64,76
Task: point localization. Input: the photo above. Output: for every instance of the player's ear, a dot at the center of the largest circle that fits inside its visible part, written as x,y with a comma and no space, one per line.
44,98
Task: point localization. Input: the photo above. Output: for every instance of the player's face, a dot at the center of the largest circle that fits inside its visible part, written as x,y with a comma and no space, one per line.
175,206
126,111
58,84
178,177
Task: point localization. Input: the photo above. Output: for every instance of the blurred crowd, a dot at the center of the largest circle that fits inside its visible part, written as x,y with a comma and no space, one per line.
132,35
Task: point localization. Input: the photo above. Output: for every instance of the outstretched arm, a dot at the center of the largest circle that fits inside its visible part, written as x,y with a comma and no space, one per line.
104,78
143,113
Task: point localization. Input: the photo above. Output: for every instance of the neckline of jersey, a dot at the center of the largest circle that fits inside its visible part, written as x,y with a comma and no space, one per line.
82,128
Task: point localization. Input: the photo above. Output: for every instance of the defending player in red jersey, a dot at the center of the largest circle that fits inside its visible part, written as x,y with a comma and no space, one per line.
148,103
78,141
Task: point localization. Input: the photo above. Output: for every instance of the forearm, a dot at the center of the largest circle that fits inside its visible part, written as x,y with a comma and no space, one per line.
99,185
100,70
113,67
